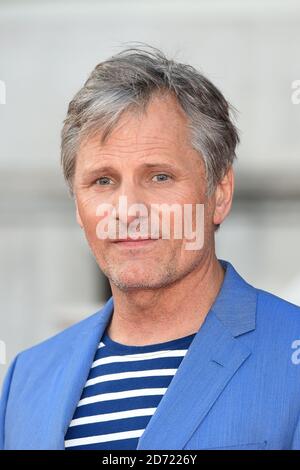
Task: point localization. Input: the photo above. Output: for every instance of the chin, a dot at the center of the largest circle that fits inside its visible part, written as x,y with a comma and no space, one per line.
131,281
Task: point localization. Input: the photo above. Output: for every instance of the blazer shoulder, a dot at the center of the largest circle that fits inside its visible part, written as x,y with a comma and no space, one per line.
277,309
62,339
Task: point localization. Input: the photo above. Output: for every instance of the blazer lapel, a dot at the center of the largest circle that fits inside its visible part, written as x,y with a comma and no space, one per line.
72,378
212,359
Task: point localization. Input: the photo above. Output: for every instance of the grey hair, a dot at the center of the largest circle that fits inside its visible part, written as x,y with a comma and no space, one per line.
127,81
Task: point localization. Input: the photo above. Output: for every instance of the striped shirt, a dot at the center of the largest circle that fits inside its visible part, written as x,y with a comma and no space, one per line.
122,392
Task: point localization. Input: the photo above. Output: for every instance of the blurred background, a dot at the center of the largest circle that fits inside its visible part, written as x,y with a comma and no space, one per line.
250,49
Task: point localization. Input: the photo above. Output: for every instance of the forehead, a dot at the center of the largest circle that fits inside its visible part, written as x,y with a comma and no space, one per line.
162,131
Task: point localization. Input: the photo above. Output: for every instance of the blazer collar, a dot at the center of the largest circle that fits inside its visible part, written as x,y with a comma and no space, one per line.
235,305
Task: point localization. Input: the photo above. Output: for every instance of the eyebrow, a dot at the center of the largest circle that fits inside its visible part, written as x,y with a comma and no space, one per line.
90,172
107,169
159,164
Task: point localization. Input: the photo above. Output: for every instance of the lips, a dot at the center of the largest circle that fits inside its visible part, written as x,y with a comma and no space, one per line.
131,243
122,240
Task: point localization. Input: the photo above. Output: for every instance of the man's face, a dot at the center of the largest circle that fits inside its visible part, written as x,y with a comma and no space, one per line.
148,159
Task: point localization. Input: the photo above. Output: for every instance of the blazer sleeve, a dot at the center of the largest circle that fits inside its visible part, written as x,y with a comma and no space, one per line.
296,437
4,400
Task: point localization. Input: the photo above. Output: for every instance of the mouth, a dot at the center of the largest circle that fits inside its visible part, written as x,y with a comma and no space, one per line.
138,243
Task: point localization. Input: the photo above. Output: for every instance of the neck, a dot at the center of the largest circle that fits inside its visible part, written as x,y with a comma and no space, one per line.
144,317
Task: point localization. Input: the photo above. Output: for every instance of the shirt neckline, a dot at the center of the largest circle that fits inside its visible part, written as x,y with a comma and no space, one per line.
184,340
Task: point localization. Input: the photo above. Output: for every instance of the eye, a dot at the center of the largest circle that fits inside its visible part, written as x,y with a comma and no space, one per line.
103,181
161,177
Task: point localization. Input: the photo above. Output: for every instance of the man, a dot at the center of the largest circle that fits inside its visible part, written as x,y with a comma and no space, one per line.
185,354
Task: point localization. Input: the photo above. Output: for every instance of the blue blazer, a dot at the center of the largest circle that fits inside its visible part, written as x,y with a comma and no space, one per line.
238,387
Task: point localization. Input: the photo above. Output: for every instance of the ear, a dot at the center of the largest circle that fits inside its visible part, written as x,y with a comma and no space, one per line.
78,218
223,197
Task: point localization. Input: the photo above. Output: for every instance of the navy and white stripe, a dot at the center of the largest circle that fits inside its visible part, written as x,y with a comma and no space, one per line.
122,392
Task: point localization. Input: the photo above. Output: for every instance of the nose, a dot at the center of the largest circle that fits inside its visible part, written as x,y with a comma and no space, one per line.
129,202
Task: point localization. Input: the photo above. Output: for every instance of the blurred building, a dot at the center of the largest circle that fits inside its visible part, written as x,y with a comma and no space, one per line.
249,49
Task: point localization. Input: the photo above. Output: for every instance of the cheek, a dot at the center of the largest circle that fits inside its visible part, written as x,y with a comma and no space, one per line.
87,209
209,212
